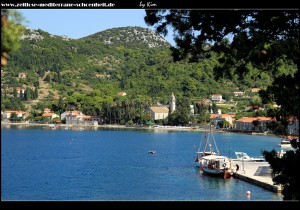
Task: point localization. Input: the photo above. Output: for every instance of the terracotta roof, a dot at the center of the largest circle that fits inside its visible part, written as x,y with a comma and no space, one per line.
159,109
74,113
20,112
212,116
11,111
48,114
251,119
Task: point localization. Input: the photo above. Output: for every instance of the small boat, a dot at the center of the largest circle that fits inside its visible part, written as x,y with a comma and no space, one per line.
151,152
52,126
245,157
286,141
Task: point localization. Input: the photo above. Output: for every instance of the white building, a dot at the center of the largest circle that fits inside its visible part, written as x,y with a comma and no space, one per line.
216,118
7,114
255,90
158,113
216,98
78,118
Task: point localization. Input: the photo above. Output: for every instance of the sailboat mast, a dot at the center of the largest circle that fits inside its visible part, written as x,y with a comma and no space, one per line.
217,150
204,148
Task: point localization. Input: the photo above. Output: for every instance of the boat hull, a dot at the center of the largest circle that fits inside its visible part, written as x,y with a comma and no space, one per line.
285,145
214,172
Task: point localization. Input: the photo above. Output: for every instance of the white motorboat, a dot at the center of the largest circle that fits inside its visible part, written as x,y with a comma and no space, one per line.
243,156
286,141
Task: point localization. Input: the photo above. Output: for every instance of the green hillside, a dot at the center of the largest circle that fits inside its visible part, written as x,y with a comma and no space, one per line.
88,72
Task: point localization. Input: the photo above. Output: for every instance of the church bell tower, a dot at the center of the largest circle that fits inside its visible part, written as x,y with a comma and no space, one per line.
172,103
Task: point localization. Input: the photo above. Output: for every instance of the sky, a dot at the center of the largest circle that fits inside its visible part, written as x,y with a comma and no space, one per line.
78,23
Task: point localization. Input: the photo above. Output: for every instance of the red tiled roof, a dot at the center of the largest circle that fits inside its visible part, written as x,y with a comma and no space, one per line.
251,119
212,116
74,113
48,114
11,111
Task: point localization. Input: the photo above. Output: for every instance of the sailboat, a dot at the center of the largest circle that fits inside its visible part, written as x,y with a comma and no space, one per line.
205,148
210,161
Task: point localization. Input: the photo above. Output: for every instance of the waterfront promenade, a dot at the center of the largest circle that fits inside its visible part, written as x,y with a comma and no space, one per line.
258,173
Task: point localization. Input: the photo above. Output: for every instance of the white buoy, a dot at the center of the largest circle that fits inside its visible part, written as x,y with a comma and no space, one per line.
248,193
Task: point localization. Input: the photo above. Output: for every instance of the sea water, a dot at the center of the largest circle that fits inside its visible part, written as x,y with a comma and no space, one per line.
39,164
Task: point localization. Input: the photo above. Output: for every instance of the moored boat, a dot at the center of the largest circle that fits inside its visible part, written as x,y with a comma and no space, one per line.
286,141
243,156
209,158
205,147
215,164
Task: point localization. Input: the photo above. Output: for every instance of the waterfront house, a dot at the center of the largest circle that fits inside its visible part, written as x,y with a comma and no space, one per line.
91,120
20,114
253,123
75,112
158,113
78,118
72,116
216,118
50,115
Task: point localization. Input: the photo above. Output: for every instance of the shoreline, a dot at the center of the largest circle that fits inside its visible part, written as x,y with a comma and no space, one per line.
115,126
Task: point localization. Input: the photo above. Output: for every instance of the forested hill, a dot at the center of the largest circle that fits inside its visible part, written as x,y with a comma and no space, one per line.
91,70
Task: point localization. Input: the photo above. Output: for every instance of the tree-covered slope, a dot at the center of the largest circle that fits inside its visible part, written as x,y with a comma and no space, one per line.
136,60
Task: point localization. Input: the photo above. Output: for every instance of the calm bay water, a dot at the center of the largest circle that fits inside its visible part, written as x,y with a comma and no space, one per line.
105,164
